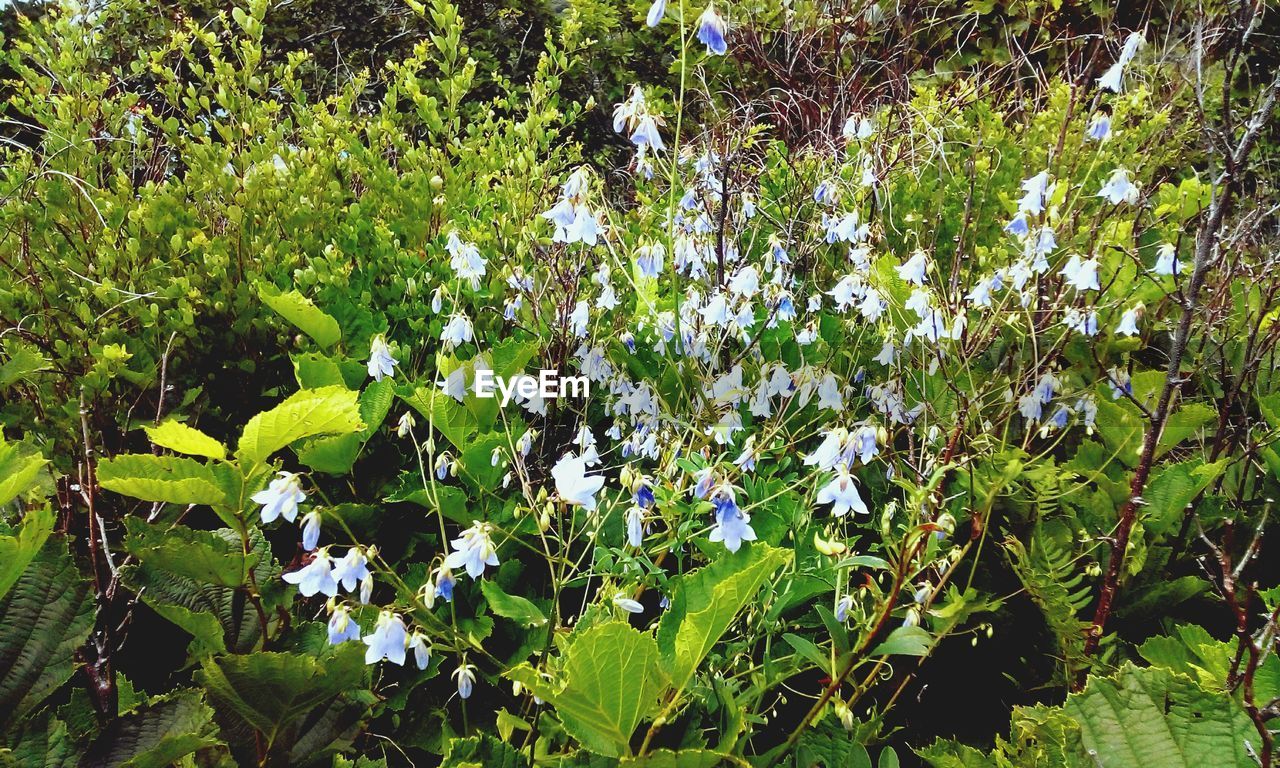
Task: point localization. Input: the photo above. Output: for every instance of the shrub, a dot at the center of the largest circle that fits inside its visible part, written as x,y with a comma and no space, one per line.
971,364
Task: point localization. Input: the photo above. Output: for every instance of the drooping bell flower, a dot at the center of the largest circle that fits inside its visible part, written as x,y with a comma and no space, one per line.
711,31
381,363
390,640
281,498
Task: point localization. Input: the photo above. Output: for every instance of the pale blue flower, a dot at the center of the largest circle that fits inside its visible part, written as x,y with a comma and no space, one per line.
635,527
656,12
1099,128
473,550
310,530
390,640
1018,226
647,135
281,498
466,676
842,494
421,650
342,627
315,577
733,526
1129,321
627,604
573,484
914,269
381,363
711,31
352,569
1119,189
1167,262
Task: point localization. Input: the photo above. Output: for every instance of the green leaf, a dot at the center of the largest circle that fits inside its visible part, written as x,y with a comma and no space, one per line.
300,311
484,750
16,552
513,607
23,361
20,465
156,735
905,641
829,745
443,413
205,630
331,455
270,691
177,436
611,679
191,604
170,479
685,758
43,619
42,742
1176,485
1146,717
203,556
704,603
307,413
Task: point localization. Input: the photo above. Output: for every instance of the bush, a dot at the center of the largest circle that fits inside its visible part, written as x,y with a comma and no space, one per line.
969,387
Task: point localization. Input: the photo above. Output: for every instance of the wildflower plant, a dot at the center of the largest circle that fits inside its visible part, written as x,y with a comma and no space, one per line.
852,405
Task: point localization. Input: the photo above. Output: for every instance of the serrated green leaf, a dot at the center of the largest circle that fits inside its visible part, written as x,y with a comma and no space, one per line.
23,361
483,750
704,603
307,413
16,552
203,556
270,691
905,641
177,436
513,607
300,311
43,619
442,412
20,465
171,479
610,681
1146,717
156,735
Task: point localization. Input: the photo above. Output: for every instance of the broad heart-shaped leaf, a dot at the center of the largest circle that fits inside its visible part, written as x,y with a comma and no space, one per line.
156,735
202,556
336,454
704,604
483,750
171,479
905,641
610,681
1173,488
307,413
19,467
1152,717
513,607
443,413
43,619
17,551
183,438
270,691
40,742
192,605
21,361
829,745
299,310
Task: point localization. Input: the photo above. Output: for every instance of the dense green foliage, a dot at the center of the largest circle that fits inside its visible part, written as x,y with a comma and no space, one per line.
931,398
